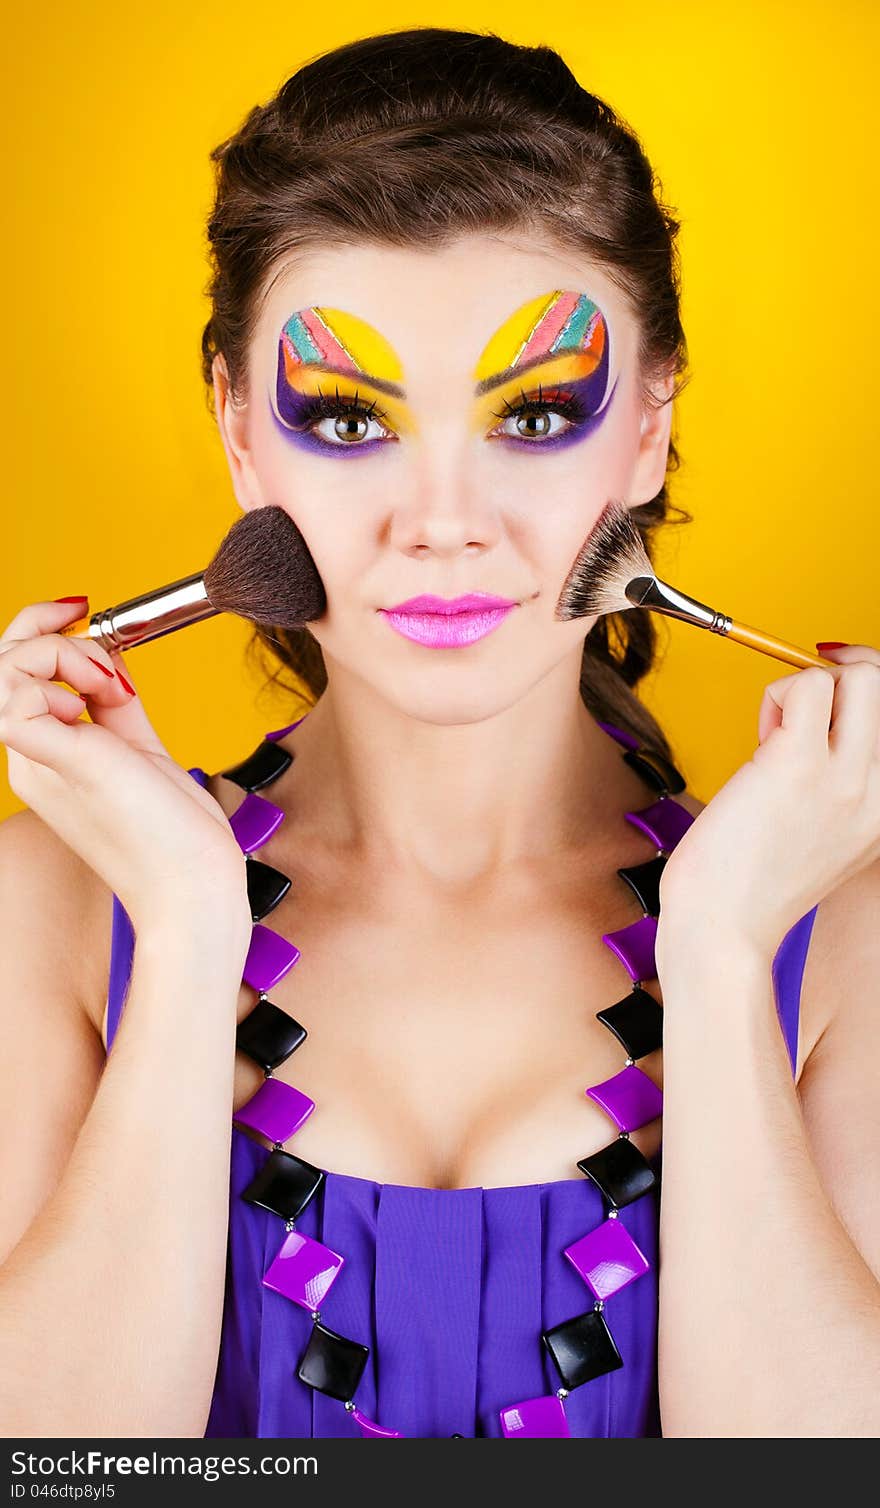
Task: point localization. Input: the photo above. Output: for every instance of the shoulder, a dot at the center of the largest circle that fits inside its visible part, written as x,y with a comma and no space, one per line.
839,991
839,1087
60,910
842,960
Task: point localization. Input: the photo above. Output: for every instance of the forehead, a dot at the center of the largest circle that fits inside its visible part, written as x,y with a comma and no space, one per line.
472,303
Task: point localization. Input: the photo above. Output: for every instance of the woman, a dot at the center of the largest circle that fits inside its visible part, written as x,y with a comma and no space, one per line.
413,233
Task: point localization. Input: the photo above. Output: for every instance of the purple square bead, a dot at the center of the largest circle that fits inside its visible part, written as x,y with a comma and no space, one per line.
373,1431
303,1270
634,946
665,822
535,1419
254,821
630,1098
280,732
607,1258
269,957
620,736
276,1110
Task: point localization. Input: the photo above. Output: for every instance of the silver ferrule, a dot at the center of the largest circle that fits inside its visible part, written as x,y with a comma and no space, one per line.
153,614
650,592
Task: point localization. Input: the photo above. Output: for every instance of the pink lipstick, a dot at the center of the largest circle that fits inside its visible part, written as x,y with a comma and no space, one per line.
448,623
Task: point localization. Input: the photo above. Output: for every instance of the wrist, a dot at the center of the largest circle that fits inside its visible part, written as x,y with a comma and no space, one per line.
699,946
188,926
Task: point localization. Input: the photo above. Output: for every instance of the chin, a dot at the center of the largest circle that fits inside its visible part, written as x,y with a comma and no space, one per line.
466,700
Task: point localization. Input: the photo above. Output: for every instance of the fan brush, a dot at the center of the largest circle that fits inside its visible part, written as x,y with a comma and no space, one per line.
612,572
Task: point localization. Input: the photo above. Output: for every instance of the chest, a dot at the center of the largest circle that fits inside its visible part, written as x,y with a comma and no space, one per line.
450,1041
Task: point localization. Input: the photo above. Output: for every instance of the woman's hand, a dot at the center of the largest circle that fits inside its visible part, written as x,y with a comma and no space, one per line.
109,787
800,818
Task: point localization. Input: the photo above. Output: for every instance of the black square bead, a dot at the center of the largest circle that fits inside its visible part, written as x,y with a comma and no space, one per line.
331,1363
582,1348
644,881
636,1021
665,779
284,1185
268,761
269,1035
620,1172
265,887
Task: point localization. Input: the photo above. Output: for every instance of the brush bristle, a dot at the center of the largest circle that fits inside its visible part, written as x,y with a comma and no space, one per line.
264,571
610,557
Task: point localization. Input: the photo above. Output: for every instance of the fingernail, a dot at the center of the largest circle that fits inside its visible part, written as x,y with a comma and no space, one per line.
130,689
100,666
832,644
70,599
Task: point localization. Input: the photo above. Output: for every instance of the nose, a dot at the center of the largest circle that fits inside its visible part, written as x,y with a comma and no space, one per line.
444,509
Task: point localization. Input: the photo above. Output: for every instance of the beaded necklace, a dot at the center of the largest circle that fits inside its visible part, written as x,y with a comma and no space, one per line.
607,1258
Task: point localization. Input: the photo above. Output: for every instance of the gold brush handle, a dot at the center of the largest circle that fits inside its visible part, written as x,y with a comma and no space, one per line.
755,638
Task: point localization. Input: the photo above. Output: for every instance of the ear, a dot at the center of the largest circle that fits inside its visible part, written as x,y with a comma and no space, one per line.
233,423
649,471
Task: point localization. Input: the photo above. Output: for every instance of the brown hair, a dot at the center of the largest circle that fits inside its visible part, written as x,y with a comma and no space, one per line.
413,138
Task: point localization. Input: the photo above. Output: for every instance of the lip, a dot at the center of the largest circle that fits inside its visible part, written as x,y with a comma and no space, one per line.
477,602
439,623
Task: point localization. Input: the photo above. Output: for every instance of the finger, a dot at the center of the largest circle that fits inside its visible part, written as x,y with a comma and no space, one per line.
770,712
42,618
34,722
129,718
855,729
847,654
51,657
804,703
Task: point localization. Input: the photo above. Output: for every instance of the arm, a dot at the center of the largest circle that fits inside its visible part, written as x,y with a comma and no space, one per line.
770,1212
110,1302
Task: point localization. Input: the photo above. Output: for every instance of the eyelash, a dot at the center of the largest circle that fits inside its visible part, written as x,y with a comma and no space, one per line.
568,405
321,405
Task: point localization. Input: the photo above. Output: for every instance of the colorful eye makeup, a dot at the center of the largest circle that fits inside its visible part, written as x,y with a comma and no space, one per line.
540,383
331,369
560,341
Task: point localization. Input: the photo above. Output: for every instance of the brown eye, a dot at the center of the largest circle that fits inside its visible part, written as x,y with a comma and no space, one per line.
533,425
350,427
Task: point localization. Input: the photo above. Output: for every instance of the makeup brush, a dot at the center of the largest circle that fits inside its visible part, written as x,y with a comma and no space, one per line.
263,570
612,572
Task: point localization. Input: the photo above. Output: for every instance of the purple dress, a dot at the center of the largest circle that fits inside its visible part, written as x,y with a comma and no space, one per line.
450,1289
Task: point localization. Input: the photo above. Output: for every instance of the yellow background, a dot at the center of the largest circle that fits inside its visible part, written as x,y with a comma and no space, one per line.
761,121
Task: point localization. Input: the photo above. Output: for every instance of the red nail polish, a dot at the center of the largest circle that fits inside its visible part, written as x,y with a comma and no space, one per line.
831,644
100,666
70,599
130,689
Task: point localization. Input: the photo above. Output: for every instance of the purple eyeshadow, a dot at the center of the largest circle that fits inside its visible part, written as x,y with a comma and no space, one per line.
296,409
588,401
585,391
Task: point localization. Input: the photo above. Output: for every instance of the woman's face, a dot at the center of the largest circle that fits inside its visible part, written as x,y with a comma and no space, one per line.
445,422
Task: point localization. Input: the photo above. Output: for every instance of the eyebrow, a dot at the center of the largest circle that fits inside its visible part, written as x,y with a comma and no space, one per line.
510,374
391,388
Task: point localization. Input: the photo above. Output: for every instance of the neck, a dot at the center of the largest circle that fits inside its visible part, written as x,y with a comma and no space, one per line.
456,803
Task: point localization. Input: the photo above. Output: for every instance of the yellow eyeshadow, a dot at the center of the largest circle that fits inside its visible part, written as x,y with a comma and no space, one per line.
507,342
311,380
554,372
362,343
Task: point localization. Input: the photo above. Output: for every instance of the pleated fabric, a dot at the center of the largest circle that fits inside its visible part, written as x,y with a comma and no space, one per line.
449,1288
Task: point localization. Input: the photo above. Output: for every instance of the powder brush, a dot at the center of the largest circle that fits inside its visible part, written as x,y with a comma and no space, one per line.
612,572
263,570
